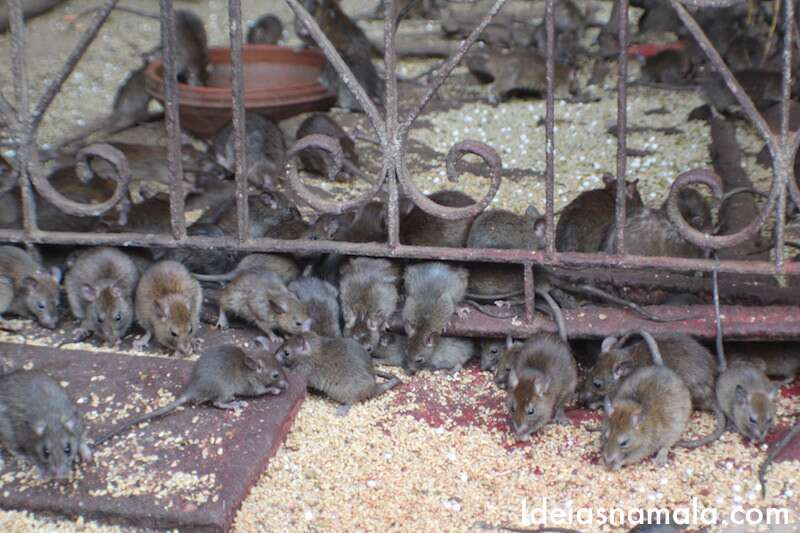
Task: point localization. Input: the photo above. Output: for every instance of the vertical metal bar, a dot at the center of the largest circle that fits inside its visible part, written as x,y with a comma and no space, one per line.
176,199
622,126
237,92
786,165
393,148
550,149
530,294
22,96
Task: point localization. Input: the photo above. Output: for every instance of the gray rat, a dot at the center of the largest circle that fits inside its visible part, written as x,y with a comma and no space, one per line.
419,228
780,360
285,267
649,232
265,147
391,349
39,422
321,300
100,288
747,398
693,363
368,289
646,415
584,222
219,375
491,351
508,358
339,368
352,44
694,208
433,291
204,261
318,161
447,353
271,215
267,29
26,289
168,302
541,383
263,299
191,51
669,67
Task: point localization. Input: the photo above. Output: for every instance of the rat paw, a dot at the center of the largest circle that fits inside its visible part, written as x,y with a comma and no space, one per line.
463,312
342,410
81,334
561,418
661,457
235,405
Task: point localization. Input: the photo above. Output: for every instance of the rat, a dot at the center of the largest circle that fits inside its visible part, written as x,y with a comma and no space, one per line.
541,382
168,303
584,222
204,261
191,52
747,398
318,161
694,209
321,300
27,289
779,360
269,213
419,228
337,367
391,349
285,267
369,294
267,29
507,360
219,375
669,67
433,292
491,351
265,148
99,289
354,47
447,353
646,415
39,422
262,298
692,361
649,232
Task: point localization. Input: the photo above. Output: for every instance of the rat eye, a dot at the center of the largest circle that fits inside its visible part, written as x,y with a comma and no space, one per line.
623,443
191,330
45,452
40,305
99,319
531,411
420,360
275,375
117,317
493,351
753,420
512,408
173,333
597,384
769,420
68,449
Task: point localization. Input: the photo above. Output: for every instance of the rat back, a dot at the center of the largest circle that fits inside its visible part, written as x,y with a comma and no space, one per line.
100,268
192,48
551,356
451,353
322,303
584,222
343,371
419,228
650,233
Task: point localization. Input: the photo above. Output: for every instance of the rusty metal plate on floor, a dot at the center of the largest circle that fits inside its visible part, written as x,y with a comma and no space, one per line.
190,470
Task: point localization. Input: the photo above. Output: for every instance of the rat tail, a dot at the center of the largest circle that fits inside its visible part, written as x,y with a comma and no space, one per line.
719,429
216,277
135,421
380,388
722,364
355,171
652,345
773,453
558,316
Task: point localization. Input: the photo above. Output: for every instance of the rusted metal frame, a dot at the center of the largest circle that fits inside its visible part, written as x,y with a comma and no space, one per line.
342,69
712,3
550,142
620,213
75,56
394,149
22,95
172,119
8,113
239,132
530,294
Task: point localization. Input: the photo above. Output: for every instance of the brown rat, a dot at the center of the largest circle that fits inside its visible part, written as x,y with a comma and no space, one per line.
669,67
168,302
99,289
694,208
318,161
419,228
321,300
263,299
369,298
491,351
266,29
391,349
747,397
191,52
26,289
285,267
649,232
585,220
339,368
508,358
271,213
447,353
39,422
204,261
352,44
781,360
219,375
646,415
692,361
265,148
433,292
541,383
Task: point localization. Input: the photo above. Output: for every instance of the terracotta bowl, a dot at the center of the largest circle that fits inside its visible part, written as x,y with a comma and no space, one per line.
279,82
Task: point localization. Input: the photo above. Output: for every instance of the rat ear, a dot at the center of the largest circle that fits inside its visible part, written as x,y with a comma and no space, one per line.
306,346
542,385
513,379
384,340
608,343
88,292
71,423
539,228
531,212
160,309
608,179
622,369
741,395
39,427
406,205
773,392
509,342
631,188
429,340
251,363
116,290
30,283
637,417
56,274
608,407
373,323
263,342
279,305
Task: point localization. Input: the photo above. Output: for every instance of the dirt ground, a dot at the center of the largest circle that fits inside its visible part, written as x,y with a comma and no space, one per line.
390,464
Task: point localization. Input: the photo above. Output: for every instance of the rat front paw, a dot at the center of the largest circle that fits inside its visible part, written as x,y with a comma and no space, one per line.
463,312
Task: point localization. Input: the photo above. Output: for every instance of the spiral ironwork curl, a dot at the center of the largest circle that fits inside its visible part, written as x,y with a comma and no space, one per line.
122,176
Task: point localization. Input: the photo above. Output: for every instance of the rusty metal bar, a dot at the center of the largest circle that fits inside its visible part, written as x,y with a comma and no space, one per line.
176,196
784,169
26,147
620,213
393,150
550,142
239,132
530,294
75,56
